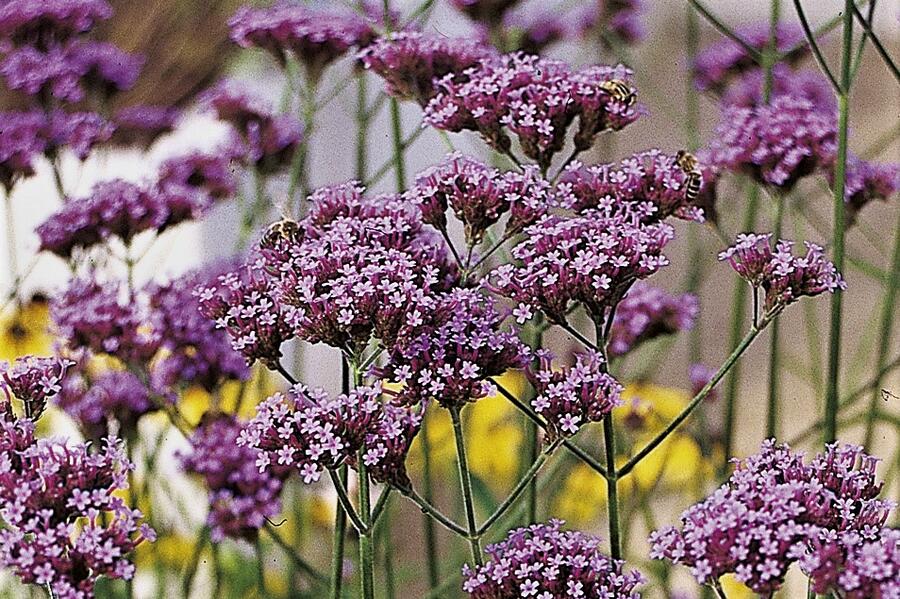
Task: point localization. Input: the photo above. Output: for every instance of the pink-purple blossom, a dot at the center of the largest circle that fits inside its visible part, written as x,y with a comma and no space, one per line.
490,12
142,124
542,561
22,141
747,90
92,400
33,381
647,312
867,182
42,21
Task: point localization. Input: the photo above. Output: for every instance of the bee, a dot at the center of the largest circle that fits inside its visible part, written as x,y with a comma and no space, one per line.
688,163
620,91
283,230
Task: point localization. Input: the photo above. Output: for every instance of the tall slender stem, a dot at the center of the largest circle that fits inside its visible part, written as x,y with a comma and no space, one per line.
431,552
774,349
884,342
465,481
299,173
609,442
337,546
840,176
692,137
366,550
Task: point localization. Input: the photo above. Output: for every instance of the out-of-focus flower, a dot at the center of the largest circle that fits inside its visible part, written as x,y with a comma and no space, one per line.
308,431
489,12
700,375
140,124
545,562
783,277
591,259
314,36
43,21
570,397
411,63
64,524
24,329
479,196
33,381
717,64
763,519
647,312
867,182
78,131
535,99
652,184
92,399
22,140
776,144
241,496
213,172
618,21
747,91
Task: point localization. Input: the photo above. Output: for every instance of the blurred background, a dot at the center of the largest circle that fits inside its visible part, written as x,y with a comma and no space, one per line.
187,49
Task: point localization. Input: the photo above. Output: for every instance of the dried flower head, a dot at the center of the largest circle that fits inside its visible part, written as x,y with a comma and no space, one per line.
543,561
647,312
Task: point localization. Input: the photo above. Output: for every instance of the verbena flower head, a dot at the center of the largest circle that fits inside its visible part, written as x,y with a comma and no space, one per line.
64,523
358,267
765,517
21,142
717,64
545,562
241,303
485,11
97,316
411,63
309,431
212,172
80,132
618,19
105,68
856,566
783,277
241,496
33,381
42,21
533,29
572,396
776,144
536,100
453,351
113,209
647,312
142,124
479,196
315,37
867,182
92,400
652,183
747,91
194,351
591,259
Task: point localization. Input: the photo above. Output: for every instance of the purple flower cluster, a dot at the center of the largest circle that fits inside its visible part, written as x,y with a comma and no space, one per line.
315,37
783,277
357,267
211,172
141,124
543,561
412,63
41,21
33,381
717,64
776,144
570,397
650,182
619,20
479,196
535,99
489,12
591,259
64,525
534,30
270,139
118,209
241,496
194,351
451,354
647,312
308,431
92,399
747,91
867,182
854,566
771,513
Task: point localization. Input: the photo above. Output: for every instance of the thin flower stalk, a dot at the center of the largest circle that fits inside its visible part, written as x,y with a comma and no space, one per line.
465,481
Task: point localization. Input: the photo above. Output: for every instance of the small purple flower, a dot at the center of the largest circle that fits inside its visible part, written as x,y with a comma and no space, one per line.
92,400
647,312
141,124
316,37
776,144
33,381
22,140
724,59
783,277
535,99
241,496
41,21
867,182
451,354
411,63
543,561
573,396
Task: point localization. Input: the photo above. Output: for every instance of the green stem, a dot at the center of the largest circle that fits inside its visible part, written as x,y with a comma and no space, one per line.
609,441
840,176
337,545
298,561
884,342
299,175
366,550
362,126
752,52
435,513
774,350
692,135
397,133
431,552
465,481
260,568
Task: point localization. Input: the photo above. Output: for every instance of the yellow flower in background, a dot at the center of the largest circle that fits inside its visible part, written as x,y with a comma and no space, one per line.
734,589
24,330
582,496
243,396
169,550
